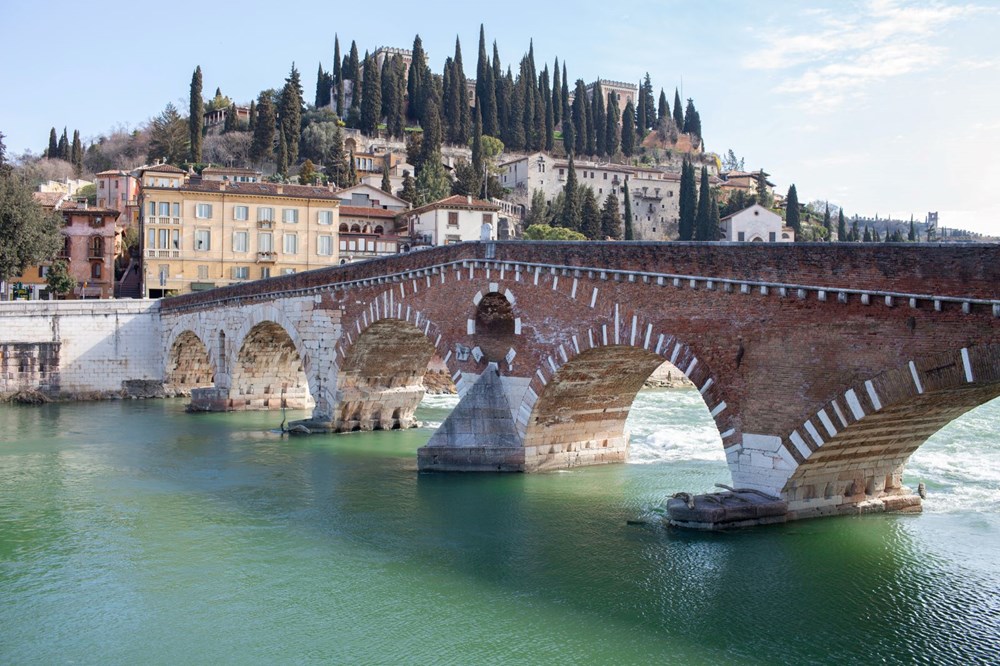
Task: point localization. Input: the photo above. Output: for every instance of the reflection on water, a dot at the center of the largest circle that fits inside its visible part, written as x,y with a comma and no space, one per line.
134,532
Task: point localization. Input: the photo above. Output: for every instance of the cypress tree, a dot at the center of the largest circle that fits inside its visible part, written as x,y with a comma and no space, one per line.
290,115
352,173
502,96
282,161
649,102
515,112
629,231
548,110
415,84
612,137
486,94
678,111
252,120
320,80
868,235
688,202
463,121
449,99
569,216
692,124
912,236
397,112
580,118
641,123
371,99
628,130
703,219
792,210
528,89
538,132
828,223
556,95
409,192
196,118
386,183
715,221
600,121
76,153
590,215
663,111
590,110
611,219
478,161
568,134
53,149
354,74
430,145
63,147
564,94
335,161
388,86
842,235
338,76
232,122
262,144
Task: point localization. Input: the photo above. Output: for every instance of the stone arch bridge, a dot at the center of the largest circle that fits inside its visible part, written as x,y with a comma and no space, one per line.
823,366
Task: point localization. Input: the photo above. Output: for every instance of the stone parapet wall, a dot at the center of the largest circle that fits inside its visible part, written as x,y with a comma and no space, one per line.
101,344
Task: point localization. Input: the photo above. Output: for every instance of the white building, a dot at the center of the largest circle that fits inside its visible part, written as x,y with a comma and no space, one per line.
364,195
453,220
754,225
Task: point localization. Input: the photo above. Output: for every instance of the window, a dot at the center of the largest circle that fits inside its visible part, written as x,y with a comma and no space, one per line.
741,236
241,272
265,272
43,271
452,219
605,175
164,273
241,212
176,210
289,215
175,239
95,270
487,218
164,209
152,208
290,243
265,242
324,246
325,217
241,241
203,211
379,229
164,239
287,271
202,272
343,227
202,240
97,246
265,214
773,236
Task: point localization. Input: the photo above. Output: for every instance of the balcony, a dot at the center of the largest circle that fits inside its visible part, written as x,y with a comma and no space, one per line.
163,254
266,257
265,224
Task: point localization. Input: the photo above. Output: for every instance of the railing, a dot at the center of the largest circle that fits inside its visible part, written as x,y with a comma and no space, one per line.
163,254
266,257
265,224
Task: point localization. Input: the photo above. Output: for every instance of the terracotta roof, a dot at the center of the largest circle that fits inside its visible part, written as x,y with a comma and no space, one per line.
48,199
262,189
161,168
457,201
114,172
745,209
228,170
79,209
365,211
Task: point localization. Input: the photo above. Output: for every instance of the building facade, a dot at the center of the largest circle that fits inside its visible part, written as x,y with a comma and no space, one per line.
453,220
755,224
198,234
119,190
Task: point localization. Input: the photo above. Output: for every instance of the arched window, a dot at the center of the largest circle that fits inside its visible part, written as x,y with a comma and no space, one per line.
95,270
343,227
67,247
97,246
379,229
355,228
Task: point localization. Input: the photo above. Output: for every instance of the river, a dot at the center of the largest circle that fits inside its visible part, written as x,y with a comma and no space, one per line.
131,532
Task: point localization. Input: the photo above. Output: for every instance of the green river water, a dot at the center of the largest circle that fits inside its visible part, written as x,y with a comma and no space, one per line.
133,533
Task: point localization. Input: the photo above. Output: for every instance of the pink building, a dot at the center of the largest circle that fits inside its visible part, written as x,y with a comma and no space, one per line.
119,190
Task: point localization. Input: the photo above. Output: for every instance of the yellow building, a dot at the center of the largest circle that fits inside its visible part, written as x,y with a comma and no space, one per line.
198,234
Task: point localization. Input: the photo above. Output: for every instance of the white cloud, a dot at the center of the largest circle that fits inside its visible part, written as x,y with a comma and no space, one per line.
845,56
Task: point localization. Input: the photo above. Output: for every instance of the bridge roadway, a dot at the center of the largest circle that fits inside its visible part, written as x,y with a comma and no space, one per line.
824,366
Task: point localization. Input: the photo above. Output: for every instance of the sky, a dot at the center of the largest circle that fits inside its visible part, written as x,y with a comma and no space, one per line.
888,107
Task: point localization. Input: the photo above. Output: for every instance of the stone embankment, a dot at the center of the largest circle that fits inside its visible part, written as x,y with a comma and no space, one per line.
667,376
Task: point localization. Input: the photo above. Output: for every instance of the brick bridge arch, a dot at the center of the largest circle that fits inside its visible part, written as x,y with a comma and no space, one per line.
782,335
855,447
190,364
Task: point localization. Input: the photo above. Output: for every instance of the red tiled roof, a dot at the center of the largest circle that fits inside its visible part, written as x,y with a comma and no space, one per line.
262,189
457,201
365,211
48,199
161,168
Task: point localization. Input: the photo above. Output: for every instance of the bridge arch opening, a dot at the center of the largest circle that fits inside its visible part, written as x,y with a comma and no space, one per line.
268,373
381,379
188,365
580,416
864,460
494,325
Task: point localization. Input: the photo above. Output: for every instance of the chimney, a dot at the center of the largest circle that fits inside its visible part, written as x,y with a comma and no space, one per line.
468,199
